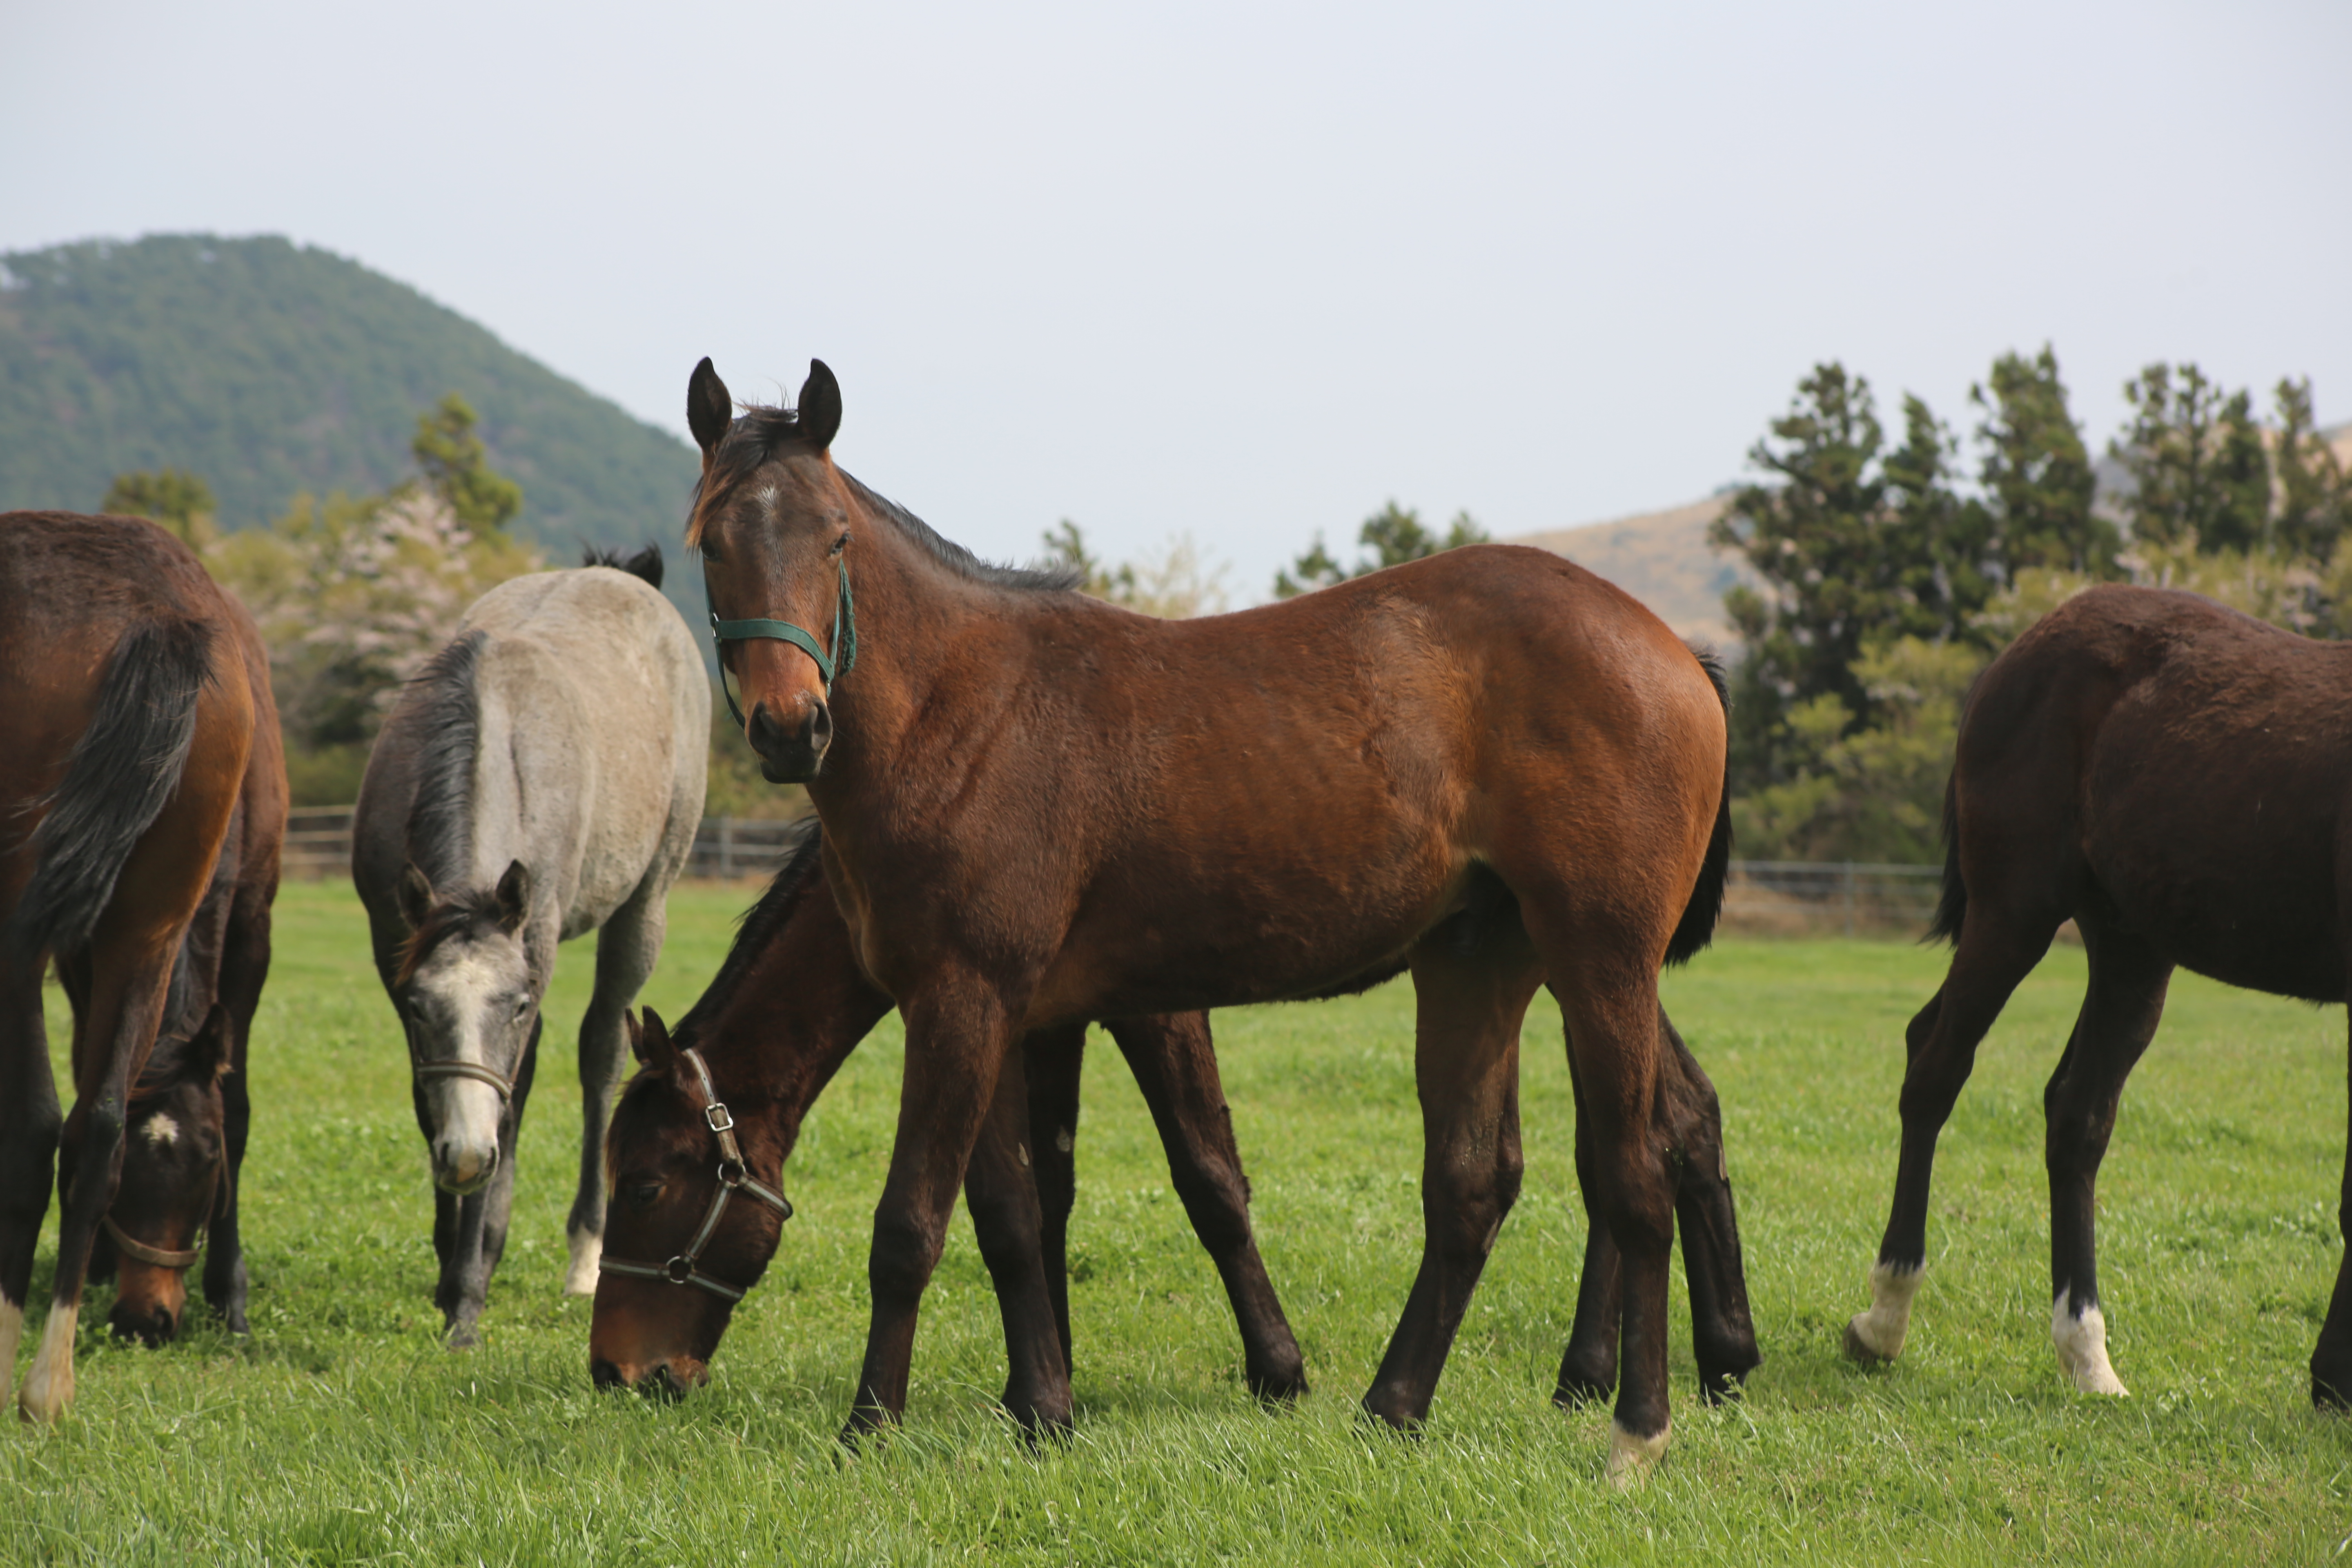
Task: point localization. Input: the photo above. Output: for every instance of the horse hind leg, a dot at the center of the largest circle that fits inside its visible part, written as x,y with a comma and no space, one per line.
1996,951
1723,1331
627,950
29,1121
2119,1016
2331,1357
1175,1064
1471,990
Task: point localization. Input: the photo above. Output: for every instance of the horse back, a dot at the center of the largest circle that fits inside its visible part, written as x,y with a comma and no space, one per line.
2183,770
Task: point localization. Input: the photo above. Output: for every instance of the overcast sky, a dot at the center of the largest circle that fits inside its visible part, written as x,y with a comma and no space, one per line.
1249,270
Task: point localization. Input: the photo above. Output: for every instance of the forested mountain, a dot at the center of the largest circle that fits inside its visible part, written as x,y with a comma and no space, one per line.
270,369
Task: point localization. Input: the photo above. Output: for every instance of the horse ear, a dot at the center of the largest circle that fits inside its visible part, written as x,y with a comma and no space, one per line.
514,895
649,1038
415,896
709,408
820,406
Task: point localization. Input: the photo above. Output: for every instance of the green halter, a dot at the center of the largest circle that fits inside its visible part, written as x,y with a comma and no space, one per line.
844,624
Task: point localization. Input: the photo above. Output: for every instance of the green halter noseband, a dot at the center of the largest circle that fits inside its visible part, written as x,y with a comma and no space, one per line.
845,625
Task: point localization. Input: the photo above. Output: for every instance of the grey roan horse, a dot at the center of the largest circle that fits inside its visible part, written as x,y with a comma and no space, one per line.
542,778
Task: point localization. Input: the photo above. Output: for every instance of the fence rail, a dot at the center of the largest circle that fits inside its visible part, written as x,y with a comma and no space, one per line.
1790,895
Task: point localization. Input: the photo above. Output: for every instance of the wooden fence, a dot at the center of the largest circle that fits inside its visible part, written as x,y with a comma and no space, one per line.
1790,897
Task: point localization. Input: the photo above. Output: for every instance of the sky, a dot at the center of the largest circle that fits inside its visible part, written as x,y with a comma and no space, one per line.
1247,272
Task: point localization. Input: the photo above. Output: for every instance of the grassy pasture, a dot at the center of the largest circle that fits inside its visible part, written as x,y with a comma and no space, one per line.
340,1431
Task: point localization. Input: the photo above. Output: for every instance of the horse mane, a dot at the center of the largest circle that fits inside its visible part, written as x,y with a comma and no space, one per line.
751,439
757,926
449,717
467,909
645,562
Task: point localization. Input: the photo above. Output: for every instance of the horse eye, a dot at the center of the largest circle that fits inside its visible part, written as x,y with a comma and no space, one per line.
523,1005
641,1195
841,543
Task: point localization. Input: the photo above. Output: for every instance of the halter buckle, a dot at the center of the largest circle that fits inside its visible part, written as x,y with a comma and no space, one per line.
720,1118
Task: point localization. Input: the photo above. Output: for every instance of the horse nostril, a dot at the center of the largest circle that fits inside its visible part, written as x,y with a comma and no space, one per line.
604,1373
820,727
764,733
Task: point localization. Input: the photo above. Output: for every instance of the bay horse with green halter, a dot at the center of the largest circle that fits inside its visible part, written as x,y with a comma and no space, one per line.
788,1006
1489,765
136,727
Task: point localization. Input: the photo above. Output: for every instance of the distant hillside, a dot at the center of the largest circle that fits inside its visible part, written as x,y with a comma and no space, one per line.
1662,559
269,369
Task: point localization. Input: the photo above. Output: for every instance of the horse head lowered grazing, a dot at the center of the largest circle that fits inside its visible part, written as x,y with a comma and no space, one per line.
1489,766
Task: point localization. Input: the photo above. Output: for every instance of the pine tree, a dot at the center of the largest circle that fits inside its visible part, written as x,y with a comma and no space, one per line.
178,499
457,468
2196,461
2314,496
2036,473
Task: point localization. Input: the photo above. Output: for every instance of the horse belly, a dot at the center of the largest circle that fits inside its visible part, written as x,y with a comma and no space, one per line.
2229,874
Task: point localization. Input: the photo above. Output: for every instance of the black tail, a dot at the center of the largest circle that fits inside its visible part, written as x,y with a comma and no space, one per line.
122,770
646,562
1952,903
1696,928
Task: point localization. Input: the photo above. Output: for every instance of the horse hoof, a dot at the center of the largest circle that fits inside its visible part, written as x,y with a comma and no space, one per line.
463,1337
1277,1387
1577,1391
1632,1458
2327,1394
1722,1387
1858,1348
2081,1341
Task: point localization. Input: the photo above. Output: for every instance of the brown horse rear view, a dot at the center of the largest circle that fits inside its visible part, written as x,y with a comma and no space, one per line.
1490,767
2175,777
128,721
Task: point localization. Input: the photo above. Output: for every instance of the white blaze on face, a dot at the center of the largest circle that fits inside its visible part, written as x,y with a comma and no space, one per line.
161,1131
2081,1336
469,982
1877,1334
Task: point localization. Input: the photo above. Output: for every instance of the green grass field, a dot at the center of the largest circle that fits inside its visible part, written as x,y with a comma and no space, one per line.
341,1432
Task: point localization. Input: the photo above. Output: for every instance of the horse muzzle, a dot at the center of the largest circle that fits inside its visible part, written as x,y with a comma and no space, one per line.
670,1380
790,753
463,1168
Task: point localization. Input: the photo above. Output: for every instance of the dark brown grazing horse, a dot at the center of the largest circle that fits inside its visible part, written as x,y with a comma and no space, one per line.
1490,765
2175,778
785,1010
133,706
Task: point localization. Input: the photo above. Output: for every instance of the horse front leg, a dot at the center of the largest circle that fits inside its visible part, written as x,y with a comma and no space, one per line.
1054,1062
2331,1359
957,1032
1174,1060
470,1233
245,966
29,1121
1001,1193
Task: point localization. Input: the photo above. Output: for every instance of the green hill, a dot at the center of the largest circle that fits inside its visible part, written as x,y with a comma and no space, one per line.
270,369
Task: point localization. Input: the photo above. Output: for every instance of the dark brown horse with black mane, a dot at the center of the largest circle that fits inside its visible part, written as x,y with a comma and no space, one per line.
785,1010
2177,779
1490,767
139,739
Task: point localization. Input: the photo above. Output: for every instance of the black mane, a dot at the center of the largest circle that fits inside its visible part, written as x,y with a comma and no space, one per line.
448,717
645,562
752,440
760,923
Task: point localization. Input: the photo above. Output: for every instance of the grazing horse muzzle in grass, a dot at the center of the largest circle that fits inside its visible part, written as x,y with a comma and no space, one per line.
175,1183
1489,766
136,735
2177,779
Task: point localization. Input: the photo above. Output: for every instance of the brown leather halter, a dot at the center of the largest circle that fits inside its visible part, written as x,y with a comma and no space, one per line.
732,1175
423,1068
165,1256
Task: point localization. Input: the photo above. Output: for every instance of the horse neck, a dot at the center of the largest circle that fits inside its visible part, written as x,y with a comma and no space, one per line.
918,622
779,1035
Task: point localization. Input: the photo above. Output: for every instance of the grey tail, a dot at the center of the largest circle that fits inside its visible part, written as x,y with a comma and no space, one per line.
645,562
1696,928
122,772
1952,902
